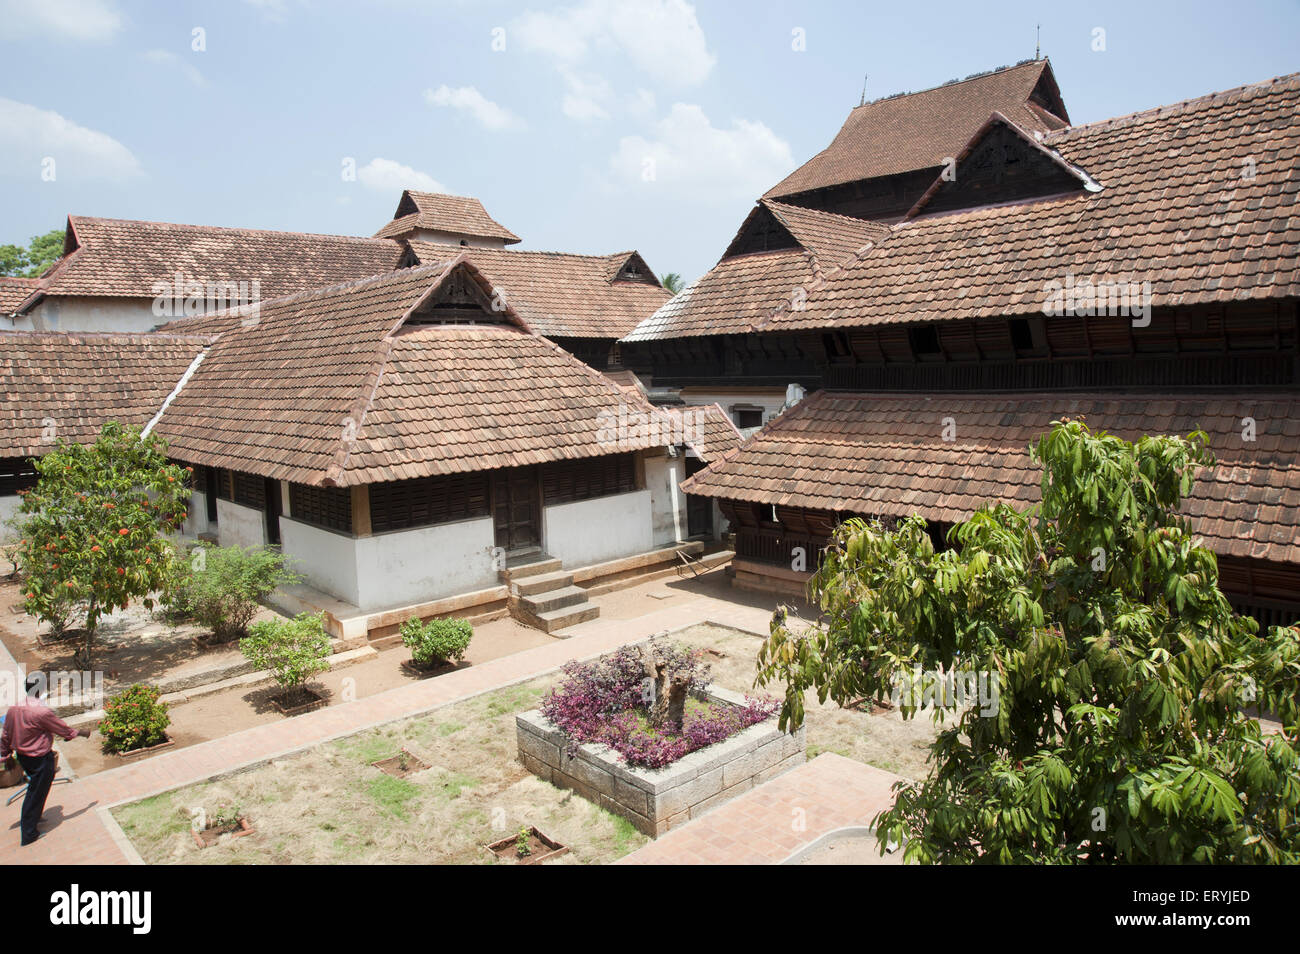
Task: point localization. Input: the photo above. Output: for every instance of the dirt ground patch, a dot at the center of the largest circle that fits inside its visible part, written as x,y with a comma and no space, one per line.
884,740
131,645
330,806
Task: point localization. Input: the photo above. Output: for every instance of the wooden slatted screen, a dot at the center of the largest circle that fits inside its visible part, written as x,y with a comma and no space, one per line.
424,501
569,480
328,507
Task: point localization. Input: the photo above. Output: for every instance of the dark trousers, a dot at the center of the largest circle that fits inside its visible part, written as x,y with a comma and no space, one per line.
40,773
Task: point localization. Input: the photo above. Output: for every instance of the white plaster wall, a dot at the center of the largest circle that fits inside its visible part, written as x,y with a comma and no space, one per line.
90,314
414,566
455,238
196,521
240,526
326,560
8,507
591,531
667,502
771,400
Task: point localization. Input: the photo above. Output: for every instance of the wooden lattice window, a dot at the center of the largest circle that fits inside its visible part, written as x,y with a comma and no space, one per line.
425,501
16,473
328,507
250,490
570,480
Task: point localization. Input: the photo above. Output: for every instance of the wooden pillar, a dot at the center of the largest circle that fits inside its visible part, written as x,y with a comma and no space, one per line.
361,510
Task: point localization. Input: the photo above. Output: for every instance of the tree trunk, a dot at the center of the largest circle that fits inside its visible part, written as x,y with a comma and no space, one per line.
668,706
84,655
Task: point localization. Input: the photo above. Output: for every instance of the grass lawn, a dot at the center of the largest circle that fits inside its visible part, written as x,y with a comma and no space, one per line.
329,805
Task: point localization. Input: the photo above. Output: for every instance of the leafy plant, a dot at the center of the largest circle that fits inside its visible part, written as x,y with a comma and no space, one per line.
223,587
612,700
225,818
523,846
134,718
293,650
1123,728
92,528
437,641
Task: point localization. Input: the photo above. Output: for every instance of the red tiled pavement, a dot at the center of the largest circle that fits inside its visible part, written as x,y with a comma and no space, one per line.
78,834
768,824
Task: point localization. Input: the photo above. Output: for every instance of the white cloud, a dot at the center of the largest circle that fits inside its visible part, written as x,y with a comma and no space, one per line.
469,100
590,97
388,175
172,61
29,135
84,20
690,155
662,38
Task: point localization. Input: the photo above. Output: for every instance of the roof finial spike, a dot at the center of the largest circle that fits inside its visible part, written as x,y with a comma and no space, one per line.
863,100
1038,30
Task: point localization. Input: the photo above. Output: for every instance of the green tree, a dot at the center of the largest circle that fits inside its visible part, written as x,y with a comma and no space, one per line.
673,282
92,529
1122,730
31,261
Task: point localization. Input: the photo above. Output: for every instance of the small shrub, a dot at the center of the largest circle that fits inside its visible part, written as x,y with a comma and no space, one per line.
523,843
224,586
176,595
293,650
134,719
437,641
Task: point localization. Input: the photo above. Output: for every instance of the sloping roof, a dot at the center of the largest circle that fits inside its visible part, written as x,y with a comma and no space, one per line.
67,386
462,215
741,292
707,429
13,292
328,388
560,294
125,258
1177,208
919,130
831,238
884,454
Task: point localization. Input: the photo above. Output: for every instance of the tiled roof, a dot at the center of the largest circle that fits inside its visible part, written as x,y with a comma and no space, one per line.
733,297
741,292
708,430
125,258
884,454
461,215
328,388
67,386
13,292
559,294
919,130
831,238
1199,199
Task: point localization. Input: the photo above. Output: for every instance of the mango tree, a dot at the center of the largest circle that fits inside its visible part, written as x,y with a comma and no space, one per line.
1123,726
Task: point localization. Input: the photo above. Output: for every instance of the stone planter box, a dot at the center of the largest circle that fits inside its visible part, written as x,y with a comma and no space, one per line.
655,800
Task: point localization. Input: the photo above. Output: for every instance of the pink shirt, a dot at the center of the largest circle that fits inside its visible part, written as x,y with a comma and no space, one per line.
28,730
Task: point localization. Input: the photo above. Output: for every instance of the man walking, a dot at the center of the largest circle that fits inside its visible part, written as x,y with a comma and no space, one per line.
28,732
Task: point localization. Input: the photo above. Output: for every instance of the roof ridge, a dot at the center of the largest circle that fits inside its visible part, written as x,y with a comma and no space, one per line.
951,83
230,228
1169,108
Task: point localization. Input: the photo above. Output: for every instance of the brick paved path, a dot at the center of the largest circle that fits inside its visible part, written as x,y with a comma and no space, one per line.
759,827
77,832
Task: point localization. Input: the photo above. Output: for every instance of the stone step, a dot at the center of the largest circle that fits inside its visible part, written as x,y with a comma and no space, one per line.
532,567
540,603
542,582
564,617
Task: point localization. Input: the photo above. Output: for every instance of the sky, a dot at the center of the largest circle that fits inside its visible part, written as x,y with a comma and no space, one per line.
583,125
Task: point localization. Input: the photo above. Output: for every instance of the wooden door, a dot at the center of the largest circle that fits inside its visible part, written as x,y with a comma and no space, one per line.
516,509
699,510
